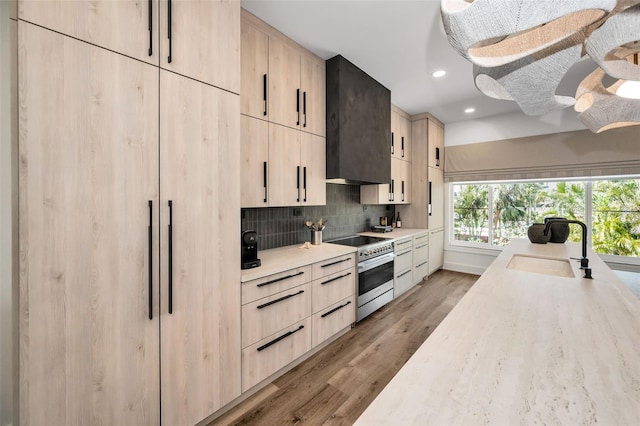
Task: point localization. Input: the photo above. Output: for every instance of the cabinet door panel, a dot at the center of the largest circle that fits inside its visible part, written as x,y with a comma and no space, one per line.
436,140
285,174
254,166
205,41
121,26
405,138
436,250
313,82
285,97
313,156
88,167
254,72
199,157
436,220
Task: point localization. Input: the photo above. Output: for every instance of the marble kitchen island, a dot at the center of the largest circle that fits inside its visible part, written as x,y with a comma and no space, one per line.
526,348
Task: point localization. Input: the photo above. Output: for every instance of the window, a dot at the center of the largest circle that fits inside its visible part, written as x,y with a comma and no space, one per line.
491,214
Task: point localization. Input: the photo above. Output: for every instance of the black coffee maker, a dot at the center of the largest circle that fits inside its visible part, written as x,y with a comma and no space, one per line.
250,250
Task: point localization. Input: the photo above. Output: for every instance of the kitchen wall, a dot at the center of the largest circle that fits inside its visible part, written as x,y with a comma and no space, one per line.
278,226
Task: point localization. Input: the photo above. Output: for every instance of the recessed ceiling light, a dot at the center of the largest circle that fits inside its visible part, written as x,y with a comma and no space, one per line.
439,73
470,110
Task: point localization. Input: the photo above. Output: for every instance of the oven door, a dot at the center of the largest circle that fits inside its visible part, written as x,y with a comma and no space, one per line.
374,275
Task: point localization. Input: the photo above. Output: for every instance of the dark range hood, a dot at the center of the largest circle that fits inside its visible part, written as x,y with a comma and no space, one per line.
358,126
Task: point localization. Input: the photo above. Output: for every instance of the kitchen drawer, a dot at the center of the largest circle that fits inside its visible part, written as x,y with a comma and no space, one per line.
333,265
402,243
272,284
403,259
420,239
420,270
420,252
271,314
332,288
334,318
402,282
270,354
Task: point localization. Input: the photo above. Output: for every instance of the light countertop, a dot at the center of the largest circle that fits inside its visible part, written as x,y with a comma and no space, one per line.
396,233
290,257
525,348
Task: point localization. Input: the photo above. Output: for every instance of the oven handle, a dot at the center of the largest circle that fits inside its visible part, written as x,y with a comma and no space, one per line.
375,262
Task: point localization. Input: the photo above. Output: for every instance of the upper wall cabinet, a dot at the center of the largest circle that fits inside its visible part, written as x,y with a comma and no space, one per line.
201,40
281,82
436,145
400,134
127,27
254,72
198,39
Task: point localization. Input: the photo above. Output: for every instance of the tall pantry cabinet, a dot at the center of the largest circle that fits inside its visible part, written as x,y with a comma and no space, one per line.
129,202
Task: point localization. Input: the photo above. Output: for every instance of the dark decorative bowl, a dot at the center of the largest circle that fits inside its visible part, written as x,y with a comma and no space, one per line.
536,234
559,231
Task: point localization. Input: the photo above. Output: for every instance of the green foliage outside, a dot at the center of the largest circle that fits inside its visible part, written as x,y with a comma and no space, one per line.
616,212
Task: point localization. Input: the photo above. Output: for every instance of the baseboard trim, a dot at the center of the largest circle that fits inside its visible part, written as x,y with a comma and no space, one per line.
464,268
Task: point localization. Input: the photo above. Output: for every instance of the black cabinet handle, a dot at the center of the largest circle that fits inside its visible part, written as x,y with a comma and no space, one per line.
404,273
169,32
403,147
335,279
337,308
393,190
264,305
150,243
402,190
437,157
390,190
430,186
419,247
277,339
304,182
170,256
264,180
402,254
304,108
150,10
298,182
422,264
298,107
279,279
335,263
264,94
392,144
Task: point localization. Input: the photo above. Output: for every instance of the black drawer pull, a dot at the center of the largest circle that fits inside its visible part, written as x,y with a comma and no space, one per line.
392,143
403,147
404,273
279,279
264,94
422,236
279,300
336,278
402,254
150,247
150,13
337,308
422,264
277,339
424,245
335,263
403,242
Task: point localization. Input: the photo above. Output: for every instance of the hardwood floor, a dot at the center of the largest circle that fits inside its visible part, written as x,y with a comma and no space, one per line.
338,383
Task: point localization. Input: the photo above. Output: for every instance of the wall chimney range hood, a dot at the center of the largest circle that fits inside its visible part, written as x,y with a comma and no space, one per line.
358,126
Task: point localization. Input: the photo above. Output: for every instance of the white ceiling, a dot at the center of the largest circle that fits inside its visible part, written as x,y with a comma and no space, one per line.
400,43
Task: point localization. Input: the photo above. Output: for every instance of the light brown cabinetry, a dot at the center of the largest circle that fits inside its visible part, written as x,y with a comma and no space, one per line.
88,170
285,315
127,27
436,144
200,321
197,39
282,84
399,190
101,136
400,134
254,72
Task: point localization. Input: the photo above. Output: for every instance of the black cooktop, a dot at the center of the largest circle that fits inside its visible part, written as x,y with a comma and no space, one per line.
357,241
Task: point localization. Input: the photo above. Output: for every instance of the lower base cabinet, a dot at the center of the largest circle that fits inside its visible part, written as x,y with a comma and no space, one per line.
270,354
285,315
436,250
331,320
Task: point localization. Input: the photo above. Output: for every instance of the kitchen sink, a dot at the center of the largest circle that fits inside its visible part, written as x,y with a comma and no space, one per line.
541,265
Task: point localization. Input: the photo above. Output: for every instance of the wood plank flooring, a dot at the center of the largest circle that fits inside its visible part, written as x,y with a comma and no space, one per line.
338,383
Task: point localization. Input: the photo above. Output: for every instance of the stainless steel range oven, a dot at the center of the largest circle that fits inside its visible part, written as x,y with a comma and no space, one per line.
375,272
